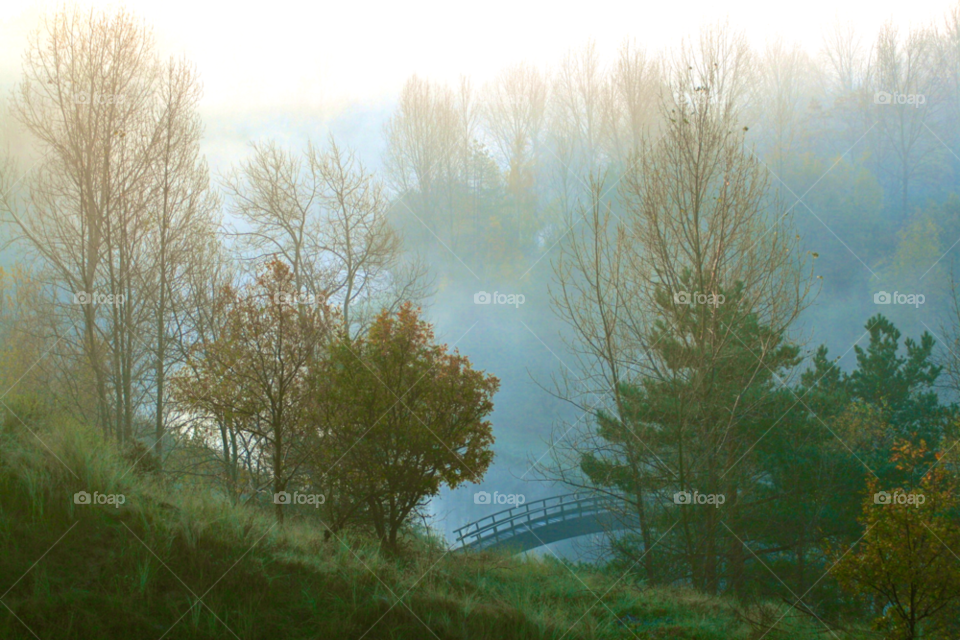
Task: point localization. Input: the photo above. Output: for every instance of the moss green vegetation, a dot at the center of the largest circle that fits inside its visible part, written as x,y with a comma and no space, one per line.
176,562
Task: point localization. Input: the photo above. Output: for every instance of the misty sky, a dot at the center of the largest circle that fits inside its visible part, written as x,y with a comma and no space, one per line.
258,56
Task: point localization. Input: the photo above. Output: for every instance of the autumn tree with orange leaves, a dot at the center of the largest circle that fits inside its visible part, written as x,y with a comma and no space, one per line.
254,375
907,562
397,417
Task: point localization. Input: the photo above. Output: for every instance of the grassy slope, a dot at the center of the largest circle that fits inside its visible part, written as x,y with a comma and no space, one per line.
178,564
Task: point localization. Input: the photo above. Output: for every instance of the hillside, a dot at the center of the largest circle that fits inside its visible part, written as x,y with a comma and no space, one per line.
174,562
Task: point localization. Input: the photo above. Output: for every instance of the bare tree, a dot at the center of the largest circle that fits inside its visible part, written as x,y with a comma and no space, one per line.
635,87
595,296
846,62
423,139
120,187
514,116
697,222
907,98
222,443
513,113
784,73
576,113
325,216
185,209
949,61
362,250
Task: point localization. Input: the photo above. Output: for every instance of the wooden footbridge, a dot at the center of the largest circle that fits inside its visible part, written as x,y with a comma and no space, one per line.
541,522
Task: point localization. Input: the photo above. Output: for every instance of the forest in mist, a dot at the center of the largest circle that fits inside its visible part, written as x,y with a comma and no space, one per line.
705,296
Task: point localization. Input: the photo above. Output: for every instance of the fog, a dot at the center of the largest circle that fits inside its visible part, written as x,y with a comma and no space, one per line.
502,135
305,72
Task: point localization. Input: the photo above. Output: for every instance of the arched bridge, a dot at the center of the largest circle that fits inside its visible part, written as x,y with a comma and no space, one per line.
533,524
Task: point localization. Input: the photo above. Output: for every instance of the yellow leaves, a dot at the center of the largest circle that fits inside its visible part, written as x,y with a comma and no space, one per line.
861,427
902,548
907,455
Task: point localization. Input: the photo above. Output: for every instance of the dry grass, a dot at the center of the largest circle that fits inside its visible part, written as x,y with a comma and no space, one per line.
177,562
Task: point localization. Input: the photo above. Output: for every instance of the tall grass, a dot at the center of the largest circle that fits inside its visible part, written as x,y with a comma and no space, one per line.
183,560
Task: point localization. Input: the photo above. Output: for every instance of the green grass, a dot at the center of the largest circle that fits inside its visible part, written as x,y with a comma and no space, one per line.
177,563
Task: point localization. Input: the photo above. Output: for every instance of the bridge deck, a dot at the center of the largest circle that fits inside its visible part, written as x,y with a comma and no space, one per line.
541,522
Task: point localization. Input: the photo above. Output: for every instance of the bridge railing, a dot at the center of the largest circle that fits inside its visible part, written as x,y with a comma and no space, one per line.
508,522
